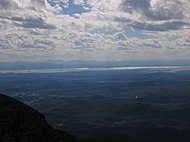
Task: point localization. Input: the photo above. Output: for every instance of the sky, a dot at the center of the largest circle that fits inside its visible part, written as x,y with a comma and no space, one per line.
101,30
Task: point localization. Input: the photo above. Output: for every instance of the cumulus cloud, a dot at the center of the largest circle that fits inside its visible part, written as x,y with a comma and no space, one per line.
23,10
15,4
155,9
97,29
156,15
9,4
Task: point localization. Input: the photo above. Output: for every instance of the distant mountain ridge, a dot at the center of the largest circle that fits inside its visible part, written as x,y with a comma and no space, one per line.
20,65
21,123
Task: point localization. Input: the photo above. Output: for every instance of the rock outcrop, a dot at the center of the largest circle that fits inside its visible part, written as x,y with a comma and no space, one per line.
21,123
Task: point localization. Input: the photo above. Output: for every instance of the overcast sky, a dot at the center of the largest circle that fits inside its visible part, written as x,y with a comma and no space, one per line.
94,30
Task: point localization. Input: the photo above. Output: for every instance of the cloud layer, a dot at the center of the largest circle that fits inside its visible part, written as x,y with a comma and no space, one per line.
94,30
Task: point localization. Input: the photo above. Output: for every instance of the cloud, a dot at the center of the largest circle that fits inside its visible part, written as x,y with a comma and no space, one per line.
15,4
98,29
39,44
161,26
156,15
155,9
29,13
4,4
36,25
120,36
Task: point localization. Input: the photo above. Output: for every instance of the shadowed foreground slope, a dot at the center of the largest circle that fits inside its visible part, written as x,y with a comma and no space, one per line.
21,123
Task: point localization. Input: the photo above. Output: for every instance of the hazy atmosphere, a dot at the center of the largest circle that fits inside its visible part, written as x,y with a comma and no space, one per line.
104,30
94,70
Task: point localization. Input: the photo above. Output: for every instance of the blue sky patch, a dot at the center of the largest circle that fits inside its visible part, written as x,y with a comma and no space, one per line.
71,8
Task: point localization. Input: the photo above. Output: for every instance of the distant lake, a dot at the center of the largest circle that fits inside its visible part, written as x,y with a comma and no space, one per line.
150,69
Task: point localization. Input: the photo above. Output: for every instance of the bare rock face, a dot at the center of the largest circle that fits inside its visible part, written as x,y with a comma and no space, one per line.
21,123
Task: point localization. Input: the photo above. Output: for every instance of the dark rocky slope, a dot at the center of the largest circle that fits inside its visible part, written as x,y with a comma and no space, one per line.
21,123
